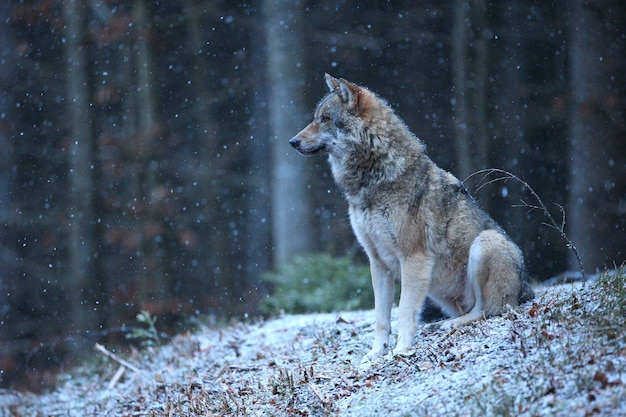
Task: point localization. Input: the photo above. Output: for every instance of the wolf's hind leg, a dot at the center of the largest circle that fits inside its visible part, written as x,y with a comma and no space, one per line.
493,278
476,269
502,282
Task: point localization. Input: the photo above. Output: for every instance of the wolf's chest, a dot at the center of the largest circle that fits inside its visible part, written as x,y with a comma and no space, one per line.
376,229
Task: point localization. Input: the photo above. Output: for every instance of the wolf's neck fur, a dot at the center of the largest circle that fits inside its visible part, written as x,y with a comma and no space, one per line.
379,158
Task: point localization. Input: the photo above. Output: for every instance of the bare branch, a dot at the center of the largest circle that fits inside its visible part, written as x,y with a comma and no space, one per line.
502,175
116,358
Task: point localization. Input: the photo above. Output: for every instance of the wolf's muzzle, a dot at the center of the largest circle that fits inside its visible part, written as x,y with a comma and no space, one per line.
303,148
295,143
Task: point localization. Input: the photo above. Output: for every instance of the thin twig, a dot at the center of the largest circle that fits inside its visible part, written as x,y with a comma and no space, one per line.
116,377
485,180
116,358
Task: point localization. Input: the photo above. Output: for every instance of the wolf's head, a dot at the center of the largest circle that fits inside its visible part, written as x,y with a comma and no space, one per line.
366,141
338,120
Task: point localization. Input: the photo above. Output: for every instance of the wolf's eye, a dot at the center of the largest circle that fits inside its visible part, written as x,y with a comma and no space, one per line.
325,118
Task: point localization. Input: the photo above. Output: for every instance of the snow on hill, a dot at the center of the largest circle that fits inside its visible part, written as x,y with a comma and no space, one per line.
564,354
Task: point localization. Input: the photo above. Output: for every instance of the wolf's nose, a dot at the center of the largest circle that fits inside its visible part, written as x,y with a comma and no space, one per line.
295,142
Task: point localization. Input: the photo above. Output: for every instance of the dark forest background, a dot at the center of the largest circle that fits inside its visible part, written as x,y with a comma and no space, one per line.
145,162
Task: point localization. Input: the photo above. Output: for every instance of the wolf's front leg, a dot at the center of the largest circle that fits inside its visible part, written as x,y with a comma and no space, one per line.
382,282
415,279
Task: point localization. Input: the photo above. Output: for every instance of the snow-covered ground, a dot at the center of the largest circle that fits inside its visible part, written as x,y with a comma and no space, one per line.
563,354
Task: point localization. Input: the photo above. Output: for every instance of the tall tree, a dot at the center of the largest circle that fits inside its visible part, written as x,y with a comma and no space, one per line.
259,200
508,120
597,149
469,78
292,209
152,277
206,165
7,68
82,272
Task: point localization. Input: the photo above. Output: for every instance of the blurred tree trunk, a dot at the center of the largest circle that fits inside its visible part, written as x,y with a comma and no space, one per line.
152,276
459,73
597,128
469,77
292,211
82,276
7,76
214,229
259,201
508,118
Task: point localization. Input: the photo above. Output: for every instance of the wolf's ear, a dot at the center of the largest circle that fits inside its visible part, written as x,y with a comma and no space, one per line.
331,82
349,93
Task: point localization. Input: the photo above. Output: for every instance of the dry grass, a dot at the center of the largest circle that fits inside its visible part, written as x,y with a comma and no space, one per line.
563,354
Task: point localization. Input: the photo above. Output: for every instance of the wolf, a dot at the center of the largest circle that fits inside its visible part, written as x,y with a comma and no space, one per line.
416,221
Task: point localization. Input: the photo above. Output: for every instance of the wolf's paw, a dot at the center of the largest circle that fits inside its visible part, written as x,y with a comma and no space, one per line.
372,356
443,326
432,327
450,325
404,352
447,325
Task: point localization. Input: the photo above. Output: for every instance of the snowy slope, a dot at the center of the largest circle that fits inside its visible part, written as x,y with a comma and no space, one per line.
564,354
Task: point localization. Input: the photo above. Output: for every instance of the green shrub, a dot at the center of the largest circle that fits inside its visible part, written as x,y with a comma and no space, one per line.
319,283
